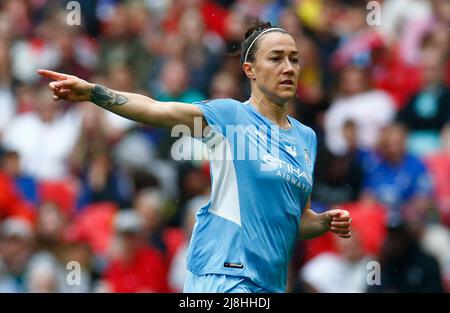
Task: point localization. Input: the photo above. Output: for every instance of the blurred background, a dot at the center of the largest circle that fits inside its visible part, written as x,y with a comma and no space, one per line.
80,184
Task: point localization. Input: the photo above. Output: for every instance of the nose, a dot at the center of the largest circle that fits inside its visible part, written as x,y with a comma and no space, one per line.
288,67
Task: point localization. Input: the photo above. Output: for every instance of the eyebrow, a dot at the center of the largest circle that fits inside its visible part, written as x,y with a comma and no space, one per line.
282,51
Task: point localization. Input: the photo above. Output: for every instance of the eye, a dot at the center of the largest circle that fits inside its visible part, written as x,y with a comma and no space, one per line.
275,59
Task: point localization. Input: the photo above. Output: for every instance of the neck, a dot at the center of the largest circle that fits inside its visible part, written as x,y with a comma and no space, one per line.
274,112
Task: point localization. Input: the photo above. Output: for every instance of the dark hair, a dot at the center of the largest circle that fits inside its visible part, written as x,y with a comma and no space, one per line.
251,33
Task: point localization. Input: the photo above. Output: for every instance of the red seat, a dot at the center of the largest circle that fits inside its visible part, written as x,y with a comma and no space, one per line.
95,226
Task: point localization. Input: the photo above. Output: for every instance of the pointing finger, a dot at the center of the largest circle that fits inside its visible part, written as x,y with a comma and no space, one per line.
52,74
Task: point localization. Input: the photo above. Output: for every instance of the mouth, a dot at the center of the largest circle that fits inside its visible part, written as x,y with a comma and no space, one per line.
287,83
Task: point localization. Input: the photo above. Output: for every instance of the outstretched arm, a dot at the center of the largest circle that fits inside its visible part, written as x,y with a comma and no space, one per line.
313,225
130,105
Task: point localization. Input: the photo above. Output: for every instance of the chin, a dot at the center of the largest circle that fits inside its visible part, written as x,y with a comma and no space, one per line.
281,97
285,97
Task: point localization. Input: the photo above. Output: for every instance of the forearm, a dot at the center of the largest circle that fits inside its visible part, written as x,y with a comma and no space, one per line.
313,225
129,105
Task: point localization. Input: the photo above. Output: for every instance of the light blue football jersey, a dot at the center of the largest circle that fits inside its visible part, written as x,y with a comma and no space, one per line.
261,178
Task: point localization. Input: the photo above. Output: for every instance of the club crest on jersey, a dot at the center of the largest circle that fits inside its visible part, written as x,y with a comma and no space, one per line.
307,158
292,150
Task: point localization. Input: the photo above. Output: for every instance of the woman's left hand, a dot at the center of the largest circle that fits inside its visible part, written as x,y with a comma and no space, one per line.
339,221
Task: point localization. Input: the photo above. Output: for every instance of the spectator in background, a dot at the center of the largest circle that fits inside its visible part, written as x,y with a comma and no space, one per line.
50,225
44,138
438,38
25,97
357,37
389,72
115,126
175,85
405,267
16,248
12,203
134,266
419,18
145,167
235,25
17,17
212,13
75,52
338,178
223,86
93,136
178,267
33,48
148,204
193,180
290,21
345,271
341,265
319,23
152,207
404,22
432,239
26,184
395,178
201,50
128,38
312,98
370,110
44,274
310,84
101,181
427,112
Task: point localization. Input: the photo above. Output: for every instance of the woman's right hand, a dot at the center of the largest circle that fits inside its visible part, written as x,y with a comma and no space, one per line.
68,87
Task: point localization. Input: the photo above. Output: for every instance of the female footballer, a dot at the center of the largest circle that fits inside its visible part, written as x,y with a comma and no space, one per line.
244,236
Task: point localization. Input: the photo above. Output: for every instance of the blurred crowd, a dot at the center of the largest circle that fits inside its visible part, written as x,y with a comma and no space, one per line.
78,183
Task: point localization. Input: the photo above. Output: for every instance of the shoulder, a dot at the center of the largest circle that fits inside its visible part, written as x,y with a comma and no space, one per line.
220,112
225,106
219,102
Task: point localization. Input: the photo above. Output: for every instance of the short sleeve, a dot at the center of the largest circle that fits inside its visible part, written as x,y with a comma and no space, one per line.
219,113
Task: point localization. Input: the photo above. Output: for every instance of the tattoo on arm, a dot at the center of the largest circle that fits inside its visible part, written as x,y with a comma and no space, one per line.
105,97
